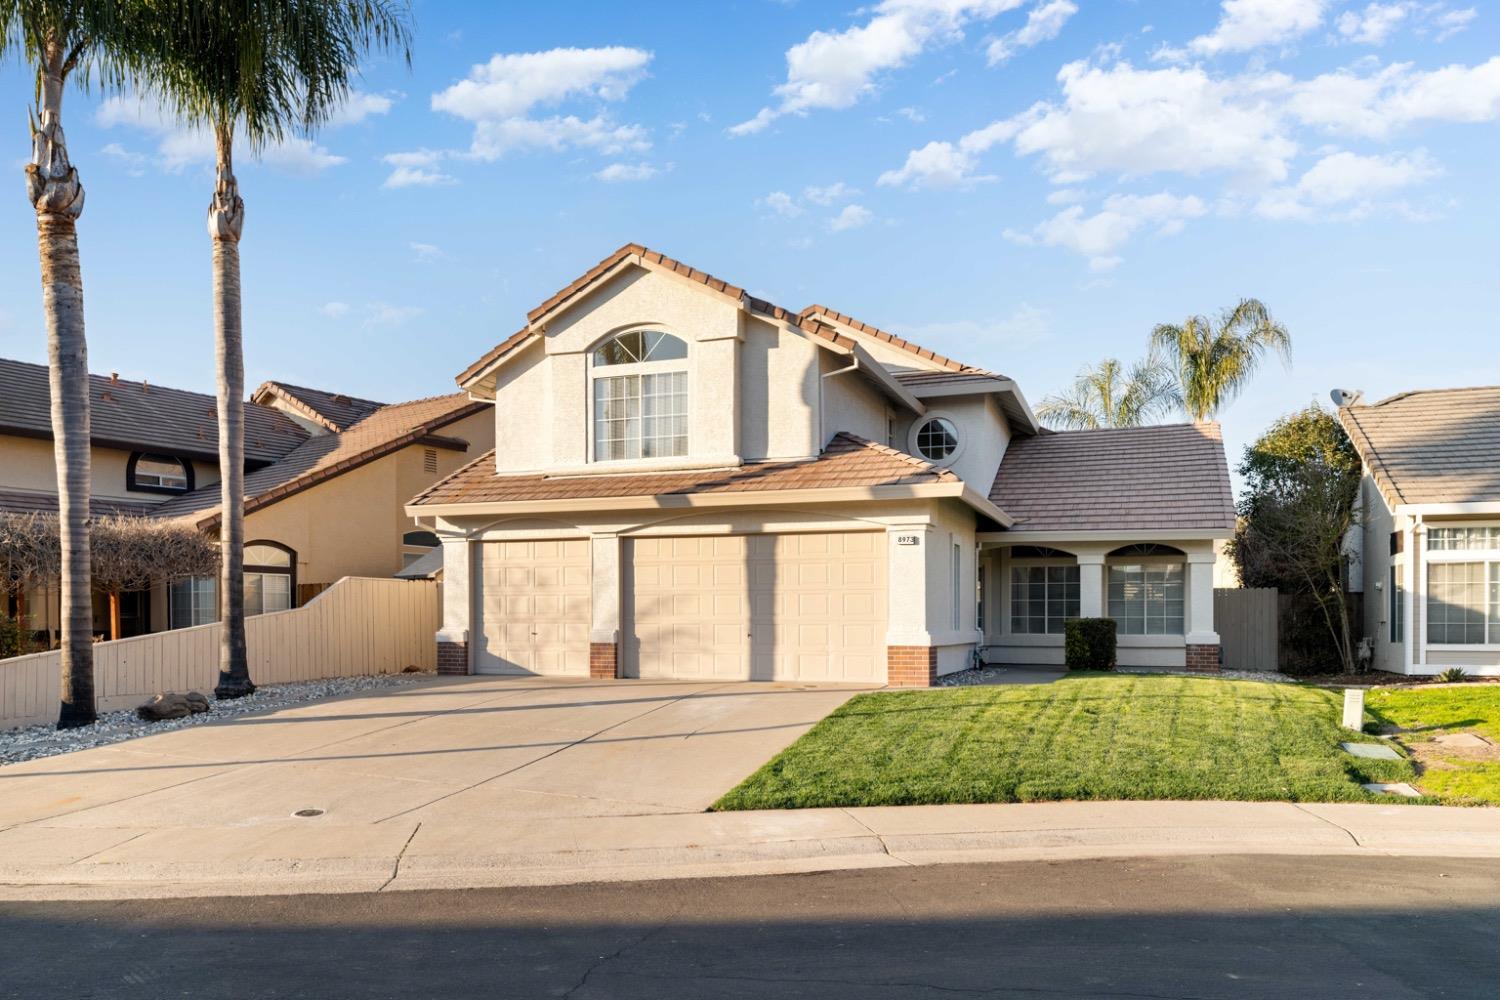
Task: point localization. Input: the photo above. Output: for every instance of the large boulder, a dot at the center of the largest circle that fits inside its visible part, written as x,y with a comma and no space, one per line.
165,706
197,701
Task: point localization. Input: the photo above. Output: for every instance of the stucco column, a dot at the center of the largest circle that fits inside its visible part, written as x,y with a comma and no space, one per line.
1201,640
911,657
1091,585
604,607
453,637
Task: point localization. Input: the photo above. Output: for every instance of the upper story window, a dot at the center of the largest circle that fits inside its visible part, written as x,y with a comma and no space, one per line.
640,396
149,473
937,439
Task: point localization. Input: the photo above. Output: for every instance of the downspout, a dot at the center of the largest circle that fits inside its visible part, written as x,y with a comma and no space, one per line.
823,431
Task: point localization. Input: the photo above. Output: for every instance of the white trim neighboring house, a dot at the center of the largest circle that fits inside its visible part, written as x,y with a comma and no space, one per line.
690,482
1431,550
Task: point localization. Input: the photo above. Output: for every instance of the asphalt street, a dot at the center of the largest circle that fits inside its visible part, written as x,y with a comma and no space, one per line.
1206,927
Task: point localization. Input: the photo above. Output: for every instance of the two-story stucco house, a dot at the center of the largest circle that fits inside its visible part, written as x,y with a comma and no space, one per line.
1430,558
690,482
327,477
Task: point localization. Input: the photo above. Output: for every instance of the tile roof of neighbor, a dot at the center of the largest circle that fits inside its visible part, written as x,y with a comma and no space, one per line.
134,415
809,319
25,502
846,461
337,411
323,457
1432,445
1171,477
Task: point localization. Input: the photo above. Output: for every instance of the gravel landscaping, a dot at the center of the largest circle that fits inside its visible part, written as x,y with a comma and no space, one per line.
35,742
994,675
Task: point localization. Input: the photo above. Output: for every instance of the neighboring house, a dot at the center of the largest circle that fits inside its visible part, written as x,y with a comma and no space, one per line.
692,482
1430,560
326,478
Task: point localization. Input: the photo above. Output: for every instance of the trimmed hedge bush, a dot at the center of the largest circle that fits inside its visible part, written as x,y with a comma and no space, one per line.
1089,643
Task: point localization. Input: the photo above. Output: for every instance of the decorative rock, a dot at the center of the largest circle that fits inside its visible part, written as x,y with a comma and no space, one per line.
197,701
165,706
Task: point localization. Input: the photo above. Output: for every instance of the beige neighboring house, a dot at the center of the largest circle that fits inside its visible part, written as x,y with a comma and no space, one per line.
326,479
1430,559
691,482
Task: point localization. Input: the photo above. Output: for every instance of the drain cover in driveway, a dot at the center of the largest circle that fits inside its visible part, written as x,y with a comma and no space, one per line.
308,812
1375,751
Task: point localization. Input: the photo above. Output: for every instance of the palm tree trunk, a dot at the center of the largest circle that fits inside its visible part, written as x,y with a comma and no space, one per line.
56,194
226,220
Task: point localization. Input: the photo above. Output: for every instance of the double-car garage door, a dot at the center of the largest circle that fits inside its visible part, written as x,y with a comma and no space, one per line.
789,607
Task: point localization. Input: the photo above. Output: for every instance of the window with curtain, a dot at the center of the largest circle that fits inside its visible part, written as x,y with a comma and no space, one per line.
1147,598
640,397
1042,598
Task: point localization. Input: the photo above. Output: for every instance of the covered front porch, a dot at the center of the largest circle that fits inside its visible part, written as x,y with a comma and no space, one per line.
1160,592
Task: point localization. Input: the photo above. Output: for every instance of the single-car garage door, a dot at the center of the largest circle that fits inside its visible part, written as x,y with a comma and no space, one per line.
809,607
535,613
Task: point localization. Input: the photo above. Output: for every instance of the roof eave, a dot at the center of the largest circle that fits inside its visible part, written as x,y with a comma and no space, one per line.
1022,536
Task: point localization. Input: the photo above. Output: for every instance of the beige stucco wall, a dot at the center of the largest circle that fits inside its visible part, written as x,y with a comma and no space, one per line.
29,464
779,402
1374,567
850,403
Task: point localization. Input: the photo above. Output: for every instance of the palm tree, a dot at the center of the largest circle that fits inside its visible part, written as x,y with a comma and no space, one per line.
1107,395
67,40
259,68
1214,359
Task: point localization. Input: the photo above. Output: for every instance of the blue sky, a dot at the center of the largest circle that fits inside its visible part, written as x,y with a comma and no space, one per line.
1027,185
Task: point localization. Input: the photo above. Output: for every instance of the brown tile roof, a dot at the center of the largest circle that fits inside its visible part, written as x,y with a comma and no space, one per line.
23,502
1171,477
333,410
916,350
1431,446
134,416
847,461
919,380
807,320
321,458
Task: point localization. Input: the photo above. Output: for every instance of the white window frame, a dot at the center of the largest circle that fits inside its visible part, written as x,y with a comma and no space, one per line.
1120,562
1489,558
915,431
600,372
196,597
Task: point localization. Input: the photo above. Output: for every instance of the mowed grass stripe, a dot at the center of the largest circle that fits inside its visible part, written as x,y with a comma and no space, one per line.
1103,736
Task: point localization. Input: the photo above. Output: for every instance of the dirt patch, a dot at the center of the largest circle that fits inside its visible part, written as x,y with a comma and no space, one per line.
1436,752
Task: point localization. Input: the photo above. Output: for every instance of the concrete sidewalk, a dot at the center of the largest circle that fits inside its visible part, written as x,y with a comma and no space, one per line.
310,856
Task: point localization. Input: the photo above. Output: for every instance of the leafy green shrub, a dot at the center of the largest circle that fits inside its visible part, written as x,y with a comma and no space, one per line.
13,638
1453,675
1089,643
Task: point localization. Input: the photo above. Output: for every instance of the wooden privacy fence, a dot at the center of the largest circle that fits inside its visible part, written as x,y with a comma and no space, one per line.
357,626
1247,621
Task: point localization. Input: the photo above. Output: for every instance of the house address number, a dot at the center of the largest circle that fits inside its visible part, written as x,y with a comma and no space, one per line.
908,540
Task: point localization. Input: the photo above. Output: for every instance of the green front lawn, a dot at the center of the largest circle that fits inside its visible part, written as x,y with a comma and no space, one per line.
1462,775
1100,736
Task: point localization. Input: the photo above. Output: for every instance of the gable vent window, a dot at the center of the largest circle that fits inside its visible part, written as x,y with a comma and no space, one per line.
937,439
429,460
149,473
640,396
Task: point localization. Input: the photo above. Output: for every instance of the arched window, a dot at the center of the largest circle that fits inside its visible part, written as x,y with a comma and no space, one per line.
148,473
640,396
420,539
270,577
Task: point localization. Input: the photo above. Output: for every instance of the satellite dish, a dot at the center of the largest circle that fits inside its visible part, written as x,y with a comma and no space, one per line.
1346,397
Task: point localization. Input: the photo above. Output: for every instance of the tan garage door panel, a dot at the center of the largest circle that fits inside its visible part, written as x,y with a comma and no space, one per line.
818,607
763,607
687,608
534,611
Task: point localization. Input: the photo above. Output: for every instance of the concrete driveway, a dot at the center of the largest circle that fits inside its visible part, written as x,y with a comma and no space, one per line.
469,749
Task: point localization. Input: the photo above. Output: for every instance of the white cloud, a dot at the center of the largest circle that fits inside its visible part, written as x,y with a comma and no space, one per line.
617,172
1349,183
835,69
385,314
852,217
1044,23
828,194
1250,24
334,310
914,115
417,168
1066,196
1451,22
1099,236
358,107
1374,24
782,204
495,139
179,146
426,252
499,96
1396,96
947,164
510,85
133,161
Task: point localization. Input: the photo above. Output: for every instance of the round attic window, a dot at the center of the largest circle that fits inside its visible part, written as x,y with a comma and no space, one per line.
937,439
